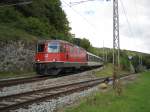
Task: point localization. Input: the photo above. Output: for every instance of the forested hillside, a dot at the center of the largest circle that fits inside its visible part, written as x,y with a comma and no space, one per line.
40,19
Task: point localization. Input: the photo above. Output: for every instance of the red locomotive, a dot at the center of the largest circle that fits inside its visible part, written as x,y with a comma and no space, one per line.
53,56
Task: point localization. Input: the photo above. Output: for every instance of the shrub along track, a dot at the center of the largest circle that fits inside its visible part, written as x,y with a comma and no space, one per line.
12,102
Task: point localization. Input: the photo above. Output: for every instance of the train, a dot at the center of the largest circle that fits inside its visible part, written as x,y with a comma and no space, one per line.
54,56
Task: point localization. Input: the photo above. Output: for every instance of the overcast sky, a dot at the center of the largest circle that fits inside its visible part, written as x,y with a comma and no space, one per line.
93,20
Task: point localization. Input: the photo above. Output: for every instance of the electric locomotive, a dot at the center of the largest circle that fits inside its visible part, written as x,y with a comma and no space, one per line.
54,56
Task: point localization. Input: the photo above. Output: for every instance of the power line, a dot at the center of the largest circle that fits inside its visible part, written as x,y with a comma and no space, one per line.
80,15
125,13
76,3
137,18
80,2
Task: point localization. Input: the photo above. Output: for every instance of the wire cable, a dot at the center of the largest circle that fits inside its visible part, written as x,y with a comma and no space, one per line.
80,15
80,2
137,15
76,3
125,13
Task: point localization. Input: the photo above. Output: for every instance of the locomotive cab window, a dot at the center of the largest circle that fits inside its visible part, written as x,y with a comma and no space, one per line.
62,48
40,47
53,47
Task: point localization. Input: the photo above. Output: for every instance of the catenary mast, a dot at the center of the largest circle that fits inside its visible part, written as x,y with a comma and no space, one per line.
116,46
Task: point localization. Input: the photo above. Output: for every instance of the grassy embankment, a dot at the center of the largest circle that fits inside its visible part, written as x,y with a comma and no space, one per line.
107,71
5,75
135,98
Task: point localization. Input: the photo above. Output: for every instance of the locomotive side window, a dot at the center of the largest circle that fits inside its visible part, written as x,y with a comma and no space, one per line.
71,50
40,47
53,47
62,48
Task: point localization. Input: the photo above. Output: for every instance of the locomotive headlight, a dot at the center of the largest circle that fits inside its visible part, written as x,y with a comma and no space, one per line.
54,59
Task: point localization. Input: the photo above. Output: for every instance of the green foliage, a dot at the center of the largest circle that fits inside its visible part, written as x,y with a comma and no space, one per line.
11,33
9,15
124,61
84,43
106,71
146,60
135,61
16,74
42,18
36,27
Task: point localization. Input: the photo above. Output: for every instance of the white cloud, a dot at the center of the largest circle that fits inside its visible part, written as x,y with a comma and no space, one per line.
93,20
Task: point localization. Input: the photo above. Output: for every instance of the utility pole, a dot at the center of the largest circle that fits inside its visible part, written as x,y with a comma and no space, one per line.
106,55
103,52
116,47
140,60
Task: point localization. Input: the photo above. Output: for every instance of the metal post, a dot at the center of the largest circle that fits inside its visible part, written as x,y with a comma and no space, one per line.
116,44
103,52
139,60
106,55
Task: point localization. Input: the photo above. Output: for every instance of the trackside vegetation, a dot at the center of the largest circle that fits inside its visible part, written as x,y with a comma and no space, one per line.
108,71
135,98
16,74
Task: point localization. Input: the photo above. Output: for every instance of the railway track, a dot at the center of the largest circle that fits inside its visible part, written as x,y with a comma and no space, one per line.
17,81
13,82
13,102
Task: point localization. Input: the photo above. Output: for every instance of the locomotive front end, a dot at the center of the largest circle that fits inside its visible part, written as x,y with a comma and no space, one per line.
48,57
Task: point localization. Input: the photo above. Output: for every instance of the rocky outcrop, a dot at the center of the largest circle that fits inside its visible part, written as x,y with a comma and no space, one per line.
16,55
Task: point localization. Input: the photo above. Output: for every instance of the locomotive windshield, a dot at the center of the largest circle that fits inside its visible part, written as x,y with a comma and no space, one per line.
40,47
53,47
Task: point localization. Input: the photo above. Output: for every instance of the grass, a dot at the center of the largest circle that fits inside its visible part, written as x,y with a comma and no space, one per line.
135,98
107,71
5,75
